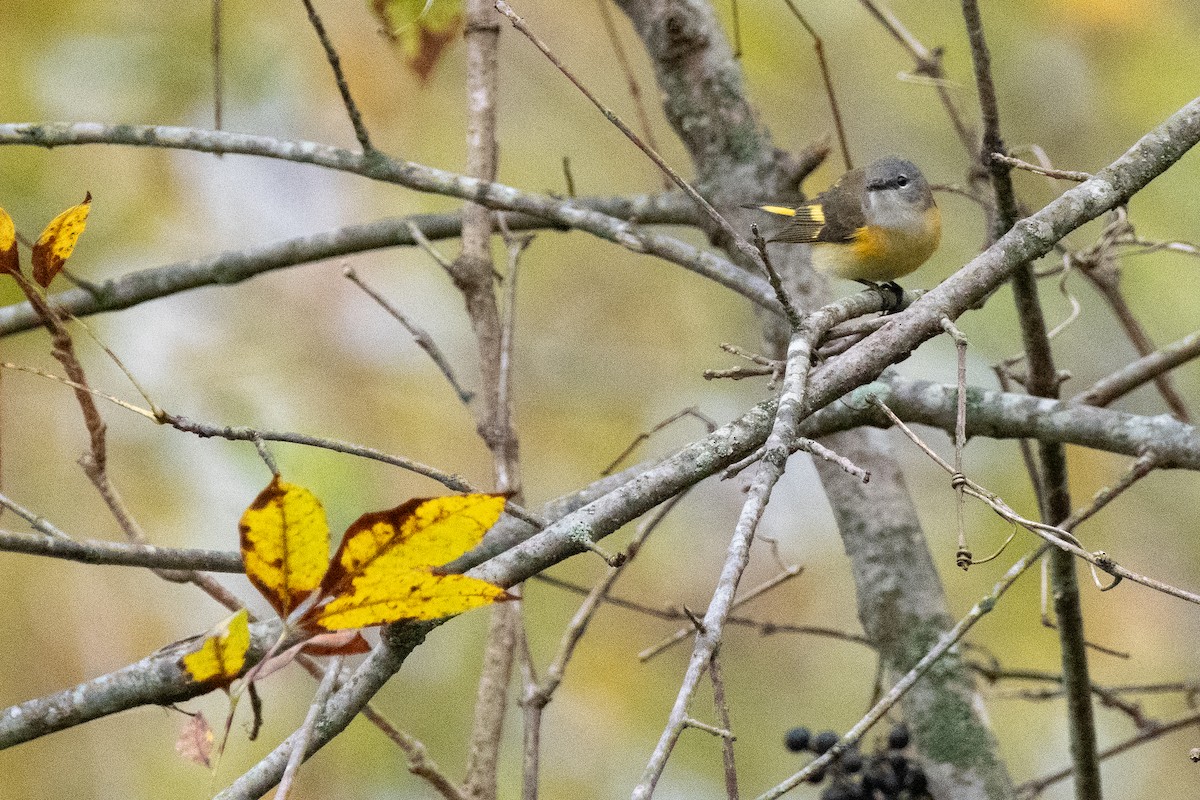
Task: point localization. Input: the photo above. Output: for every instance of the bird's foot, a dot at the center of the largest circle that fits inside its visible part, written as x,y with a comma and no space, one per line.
891,293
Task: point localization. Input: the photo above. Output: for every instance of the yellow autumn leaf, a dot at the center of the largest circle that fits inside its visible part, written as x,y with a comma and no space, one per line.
9,261
385,569
285,544
57,242
221,658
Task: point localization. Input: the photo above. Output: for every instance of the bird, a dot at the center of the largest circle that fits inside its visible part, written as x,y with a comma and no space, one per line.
874,225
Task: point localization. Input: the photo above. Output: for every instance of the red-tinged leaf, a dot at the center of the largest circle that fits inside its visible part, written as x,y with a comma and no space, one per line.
195,741
420,29
277,662
10,261
57,242
337,643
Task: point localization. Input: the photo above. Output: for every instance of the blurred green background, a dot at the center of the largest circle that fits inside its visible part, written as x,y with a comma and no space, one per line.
608,344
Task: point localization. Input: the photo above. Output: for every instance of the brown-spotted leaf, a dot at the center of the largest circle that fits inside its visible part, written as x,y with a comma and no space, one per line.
220,658
385,569
9,258
57,242
420,29
285,544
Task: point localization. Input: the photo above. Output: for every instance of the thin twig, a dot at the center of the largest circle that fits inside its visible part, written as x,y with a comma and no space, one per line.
738,373
722,706
635,90
1106,697
1061,539
516,245
690,722
763,627
811,446
423,242
819,48
1032,470
238,433
929,62
1033,788
335,63
38,523
1063,174
789,311
218,79
739,241
963,557
1140,468
95,461
1104,276
1042,382
532,727
419,762
420,336
709,424
539,693
324,690
690,630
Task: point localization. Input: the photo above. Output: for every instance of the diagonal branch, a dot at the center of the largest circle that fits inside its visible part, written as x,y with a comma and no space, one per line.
1120,383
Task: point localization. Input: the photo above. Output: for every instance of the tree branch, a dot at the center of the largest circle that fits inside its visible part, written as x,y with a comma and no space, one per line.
238,265
121,553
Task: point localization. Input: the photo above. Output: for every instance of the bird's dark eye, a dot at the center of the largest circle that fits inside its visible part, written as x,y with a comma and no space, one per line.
902,181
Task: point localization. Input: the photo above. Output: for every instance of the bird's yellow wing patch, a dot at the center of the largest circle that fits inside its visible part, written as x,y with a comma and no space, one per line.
783,211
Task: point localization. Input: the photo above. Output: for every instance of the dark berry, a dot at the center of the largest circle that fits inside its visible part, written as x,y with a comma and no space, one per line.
868,776
898,737
859,792
816,776
915,781
852,761
797,739
880,778
899,765
823,741
838,791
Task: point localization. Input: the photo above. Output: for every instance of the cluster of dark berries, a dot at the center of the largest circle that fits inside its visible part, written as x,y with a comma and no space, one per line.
889,774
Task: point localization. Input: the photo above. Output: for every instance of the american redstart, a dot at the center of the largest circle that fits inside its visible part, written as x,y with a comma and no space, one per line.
874,225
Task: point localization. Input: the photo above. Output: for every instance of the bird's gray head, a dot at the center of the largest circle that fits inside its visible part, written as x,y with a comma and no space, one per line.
896,192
